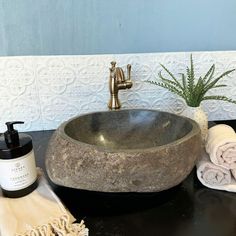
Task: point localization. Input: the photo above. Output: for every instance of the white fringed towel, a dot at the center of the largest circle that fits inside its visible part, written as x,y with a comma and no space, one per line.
40,213
221,146
213,176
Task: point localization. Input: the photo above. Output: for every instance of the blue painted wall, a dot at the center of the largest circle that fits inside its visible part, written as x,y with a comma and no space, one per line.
52,27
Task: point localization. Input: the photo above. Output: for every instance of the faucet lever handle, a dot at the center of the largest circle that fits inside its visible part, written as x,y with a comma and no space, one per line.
128,72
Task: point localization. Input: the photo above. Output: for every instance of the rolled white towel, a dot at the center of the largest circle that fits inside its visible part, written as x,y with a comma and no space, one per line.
221,146
213,176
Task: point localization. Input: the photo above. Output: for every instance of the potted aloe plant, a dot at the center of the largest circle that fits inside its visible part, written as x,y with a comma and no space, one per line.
194,91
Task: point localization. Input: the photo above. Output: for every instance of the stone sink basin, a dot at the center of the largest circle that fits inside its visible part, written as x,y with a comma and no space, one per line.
123,151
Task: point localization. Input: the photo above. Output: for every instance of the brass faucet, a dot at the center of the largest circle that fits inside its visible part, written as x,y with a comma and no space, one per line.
117,81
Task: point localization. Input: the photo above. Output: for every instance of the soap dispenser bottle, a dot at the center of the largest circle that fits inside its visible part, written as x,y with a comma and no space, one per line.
18,174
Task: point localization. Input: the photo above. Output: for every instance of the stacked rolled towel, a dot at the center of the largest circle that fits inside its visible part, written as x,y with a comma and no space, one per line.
213,176
216,169
221,146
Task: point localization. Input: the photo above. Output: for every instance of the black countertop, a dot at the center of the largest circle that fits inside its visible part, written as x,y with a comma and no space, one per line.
189,209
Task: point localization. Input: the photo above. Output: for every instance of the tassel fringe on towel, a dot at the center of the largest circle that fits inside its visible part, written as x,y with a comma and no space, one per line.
58,227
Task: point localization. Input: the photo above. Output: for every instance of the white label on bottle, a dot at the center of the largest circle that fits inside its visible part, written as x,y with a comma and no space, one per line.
18,173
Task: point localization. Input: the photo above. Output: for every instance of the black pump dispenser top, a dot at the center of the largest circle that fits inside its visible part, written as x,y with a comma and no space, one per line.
11,135
14,144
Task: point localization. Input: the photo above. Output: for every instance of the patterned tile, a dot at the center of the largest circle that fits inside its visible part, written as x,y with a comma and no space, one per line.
45,91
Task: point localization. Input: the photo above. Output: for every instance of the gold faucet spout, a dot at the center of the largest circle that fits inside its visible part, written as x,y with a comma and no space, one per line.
117,82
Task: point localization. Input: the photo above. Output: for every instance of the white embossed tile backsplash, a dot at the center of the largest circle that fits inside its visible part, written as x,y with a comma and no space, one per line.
45,91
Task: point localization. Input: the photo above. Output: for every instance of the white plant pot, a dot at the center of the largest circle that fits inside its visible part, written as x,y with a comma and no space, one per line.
198,114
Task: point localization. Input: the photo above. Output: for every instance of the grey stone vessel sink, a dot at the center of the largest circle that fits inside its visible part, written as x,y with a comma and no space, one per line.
123,151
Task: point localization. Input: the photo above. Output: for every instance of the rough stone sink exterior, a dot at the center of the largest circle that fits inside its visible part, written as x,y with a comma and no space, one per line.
123,151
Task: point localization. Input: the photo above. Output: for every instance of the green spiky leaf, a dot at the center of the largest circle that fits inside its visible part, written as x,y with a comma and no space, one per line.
191,89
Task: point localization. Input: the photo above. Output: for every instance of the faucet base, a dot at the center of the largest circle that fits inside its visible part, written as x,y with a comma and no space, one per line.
114,103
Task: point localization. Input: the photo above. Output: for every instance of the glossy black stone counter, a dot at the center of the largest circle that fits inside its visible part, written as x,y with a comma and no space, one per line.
189,209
